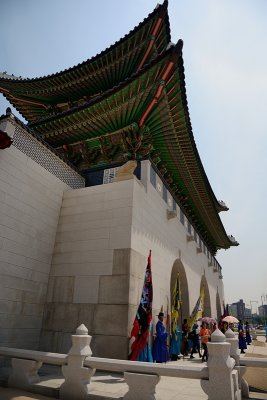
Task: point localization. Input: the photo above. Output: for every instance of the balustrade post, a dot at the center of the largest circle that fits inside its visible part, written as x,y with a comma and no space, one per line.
234,349
235,354
24,373
141,386
223,379
77,377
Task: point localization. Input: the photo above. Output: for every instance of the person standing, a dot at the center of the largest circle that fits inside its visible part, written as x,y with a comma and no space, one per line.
248,336
194,334
205,335
160,350
185,345
241,337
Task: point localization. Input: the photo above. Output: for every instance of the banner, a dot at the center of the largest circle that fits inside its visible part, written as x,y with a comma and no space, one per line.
197,312
143,318
176,304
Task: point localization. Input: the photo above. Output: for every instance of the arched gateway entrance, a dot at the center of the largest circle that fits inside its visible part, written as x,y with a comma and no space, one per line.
179,268
207,304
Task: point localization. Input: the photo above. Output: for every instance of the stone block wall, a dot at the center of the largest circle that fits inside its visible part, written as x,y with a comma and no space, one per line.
89,279
30,205
30,198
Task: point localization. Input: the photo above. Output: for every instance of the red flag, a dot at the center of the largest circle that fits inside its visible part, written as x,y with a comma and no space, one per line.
143,318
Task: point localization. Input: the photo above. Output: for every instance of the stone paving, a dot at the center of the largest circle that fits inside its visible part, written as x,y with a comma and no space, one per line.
106,386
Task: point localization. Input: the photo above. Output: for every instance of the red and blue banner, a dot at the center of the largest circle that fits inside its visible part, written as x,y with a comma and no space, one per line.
140,349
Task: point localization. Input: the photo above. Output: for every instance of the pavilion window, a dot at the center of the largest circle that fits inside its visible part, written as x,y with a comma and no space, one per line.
109,174
153,177
181,217
189,228
164,194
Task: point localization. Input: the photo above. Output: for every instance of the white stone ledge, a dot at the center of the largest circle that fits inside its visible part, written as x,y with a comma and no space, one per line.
254,362
48,358
191,372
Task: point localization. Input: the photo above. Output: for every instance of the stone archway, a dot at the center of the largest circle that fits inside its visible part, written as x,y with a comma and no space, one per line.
218,307
207,304
178,267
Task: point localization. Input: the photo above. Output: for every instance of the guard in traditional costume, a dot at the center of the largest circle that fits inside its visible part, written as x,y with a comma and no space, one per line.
160,350
241,337
248,336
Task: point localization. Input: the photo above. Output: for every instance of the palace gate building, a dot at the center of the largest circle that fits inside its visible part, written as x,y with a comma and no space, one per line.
76,233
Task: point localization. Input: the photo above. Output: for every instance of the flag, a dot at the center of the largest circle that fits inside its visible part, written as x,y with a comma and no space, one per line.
143,318
201,304
176,304
197,312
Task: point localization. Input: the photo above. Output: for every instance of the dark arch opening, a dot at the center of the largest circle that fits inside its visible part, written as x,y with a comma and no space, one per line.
207,304
179,268
218,307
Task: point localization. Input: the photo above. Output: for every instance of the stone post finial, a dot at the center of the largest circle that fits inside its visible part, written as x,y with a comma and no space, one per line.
217,336
229,334
82,330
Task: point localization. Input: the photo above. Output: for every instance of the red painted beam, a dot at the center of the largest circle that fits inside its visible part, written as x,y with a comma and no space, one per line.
165,74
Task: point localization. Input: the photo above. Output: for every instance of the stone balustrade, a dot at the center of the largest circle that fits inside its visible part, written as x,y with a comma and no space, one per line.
222,377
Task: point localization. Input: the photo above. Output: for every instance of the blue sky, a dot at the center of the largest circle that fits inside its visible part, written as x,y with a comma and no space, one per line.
225,61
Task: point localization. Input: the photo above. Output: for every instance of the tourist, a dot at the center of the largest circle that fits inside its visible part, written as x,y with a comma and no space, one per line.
194,337
241,337
214,326
247,330
205,335
223,325
185,345
160,350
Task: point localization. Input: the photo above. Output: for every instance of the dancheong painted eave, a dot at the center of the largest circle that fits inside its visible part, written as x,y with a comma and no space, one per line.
39,97
146,115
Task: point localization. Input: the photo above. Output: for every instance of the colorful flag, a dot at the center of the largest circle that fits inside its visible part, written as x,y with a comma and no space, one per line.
143,318
197,312
176,304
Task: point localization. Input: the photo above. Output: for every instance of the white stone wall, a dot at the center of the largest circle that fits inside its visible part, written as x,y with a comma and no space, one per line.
103,239
30,199
85,284
167,238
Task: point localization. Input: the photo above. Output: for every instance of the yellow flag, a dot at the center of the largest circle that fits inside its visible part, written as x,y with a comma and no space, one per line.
197,312
176,304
